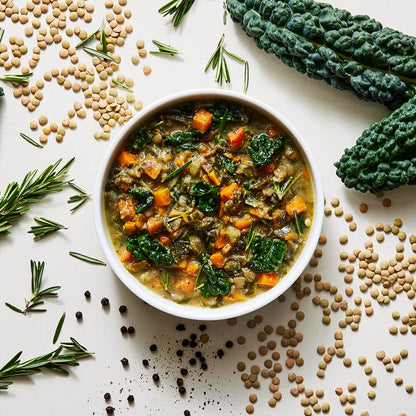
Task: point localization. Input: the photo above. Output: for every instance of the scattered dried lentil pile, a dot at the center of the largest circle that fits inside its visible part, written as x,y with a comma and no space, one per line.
49,20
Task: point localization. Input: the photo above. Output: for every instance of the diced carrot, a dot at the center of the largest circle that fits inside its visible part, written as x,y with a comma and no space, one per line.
268,279
202,120
296,204
218,260
126,209
214,178
182,265
221,240
291,236
162,197
192,269
140,220
277,224
186,285
130,227
221,213
244,222
125,256
161,210
306,175
205,178
226,249
235,297
268,168
163,239
127,159
273,130
235,138
241,159
254,211
227,192
180,159
151,167
154,225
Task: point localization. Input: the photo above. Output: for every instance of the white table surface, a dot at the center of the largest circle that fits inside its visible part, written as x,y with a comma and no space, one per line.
330,120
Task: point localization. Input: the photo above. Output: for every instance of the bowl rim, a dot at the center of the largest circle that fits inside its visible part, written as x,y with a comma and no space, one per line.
151,297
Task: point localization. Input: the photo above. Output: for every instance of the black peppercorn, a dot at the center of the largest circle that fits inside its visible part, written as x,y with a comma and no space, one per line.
182,390
185,342
179,353
78,315
204,366
153,347
220,353
109,410
193,344
105,302
87,294
192,361
123,329
179,381
180,327
131,330
202,327
122,309
124,361
229,344
130,398
155,377
193,337
184,371
198,354
145,362
202,359
187,413
107,396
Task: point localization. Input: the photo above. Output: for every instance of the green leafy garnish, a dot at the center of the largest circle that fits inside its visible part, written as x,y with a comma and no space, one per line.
262,149
177,8
267,255
183,140
228,164
82,197
44,228
58,329
30,140
103,40
164,49
206,197
143,197
144,247
141,138
38,295
176,171
99,54
250,236
88,259
87,39
164,280
299,222
121,84
215,283
19,78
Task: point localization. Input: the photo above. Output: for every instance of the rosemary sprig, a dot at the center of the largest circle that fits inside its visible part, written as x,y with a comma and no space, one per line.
18,198
250,236
82,196
100,54
30,140
121,84
44,228
19,78
103,40
58,328
218,63
38,294
88,259
87,39
165,281
177,8
164,49
176,171
67,354
1,34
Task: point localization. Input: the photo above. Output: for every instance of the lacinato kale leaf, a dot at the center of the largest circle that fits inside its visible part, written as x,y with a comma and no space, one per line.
141,138
267,255
144,247
184,140
228,164
215,283
143,197
262,149
206,197
235,114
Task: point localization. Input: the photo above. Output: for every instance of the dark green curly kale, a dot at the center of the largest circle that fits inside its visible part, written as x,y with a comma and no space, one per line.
384,157
349,52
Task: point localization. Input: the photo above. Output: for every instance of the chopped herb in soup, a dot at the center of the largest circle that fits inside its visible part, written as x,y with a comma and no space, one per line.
209,204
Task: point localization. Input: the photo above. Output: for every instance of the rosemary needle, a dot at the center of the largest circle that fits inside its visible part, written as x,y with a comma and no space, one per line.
30,140
58,328
100,54
121,84
176,171
19,78
82,197
103,41
87,39
177,8
88,259
164,49
44,228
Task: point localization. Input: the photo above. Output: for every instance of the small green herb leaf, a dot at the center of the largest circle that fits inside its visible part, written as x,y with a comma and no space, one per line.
58,329
99,54
177,8
19,78
143,197
121,84
206,197
164,49
88,259
87,39
30,140
44,228
176,171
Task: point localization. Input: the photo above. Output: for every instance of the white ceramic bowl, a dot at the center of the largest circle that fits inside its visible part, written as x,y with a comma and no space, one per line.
192,312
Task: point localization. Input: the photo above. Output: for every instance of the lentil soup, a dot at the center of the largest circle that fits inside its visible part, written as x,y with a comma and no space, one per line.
209,203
